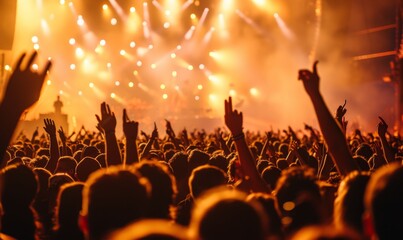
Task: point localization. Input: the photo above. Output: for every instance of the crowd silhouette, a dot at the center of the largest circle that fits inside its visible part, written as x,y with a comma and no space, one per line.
228,184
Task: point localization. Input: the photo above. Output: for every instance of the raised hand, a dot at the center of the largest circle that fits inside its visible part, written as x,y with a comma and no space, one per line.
341,111
62,136
130,128
25,84
107,121
154,134
382,127
50,126
310,79
233,118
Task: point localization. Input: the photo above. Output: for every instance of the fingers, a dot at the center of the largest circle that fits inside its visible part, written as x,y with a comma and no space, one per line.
125,117
383,121
31,60
230,104
315,67
47,69
98,118
19,62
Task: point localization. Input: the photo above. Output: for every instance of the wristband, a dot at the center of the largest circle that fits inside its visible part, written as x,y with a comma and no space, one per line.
238,136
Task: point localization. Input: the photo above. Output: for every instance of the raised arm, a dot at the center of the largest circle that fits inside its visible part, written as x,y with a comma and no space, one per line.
130,129
107,122
22,91
154,137
331,130
63,139
387,151
234,122
50,129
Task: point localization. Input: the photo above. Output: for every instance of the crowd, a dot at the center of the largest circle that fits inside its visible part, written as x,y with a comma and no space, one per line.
227,184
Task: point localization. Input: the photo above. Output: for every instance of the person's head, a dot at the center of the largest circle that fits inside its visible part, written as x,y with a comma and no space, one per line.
69,202
299,198
43,182
151,229
85,167
383,203
179,165
204,178
163,187
20,186
197,158
270,175
219,161
349,203
225,214
89,151
365,151
66,164
113,198
326,232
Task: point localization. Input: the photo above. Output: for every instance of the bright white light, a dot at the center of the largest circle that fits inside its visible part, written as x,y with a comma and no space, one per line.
177,88
162,86
167,13
153,66
61,92
212,97
72,41
72,66
174,74
122,52
114,21
135,73
35,67
139,63
102,42
179,47
62,2
164,96
113,95
79,52
200,87
173,55
91,85
131,84
80,93
35,39
201,66
253,92
276,15
49,82
7,68
193,16
197,98
117,83
105,6
167,25
36,46
80,20
132,9
150,46
190,67
132,44
109,65
232,92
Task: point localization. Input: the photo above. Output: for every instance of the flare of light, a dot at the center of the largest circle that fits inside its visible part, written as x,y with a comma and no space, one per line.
250,22
158,5
146,22
283,27
253,92
190,32
72,41
207,37
118,10
45,27
186,4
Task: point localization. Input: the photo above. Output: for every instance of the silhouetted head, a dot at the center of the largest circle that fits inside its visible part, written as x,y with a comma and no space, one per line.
204,178
85,167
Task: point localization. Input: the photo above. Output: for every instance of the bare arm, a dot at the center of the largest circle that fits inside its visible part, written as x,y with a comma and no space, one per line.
234,122
130,129
22,91
332,132
50,128
107,122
